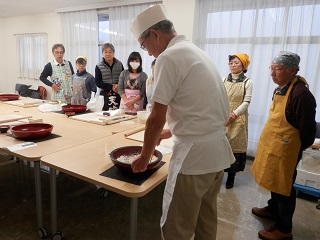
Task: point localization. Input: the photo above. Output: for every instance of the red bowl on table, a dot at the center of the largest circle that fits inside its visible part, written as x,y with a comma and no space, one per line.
74,108
121,157
32,130
9,96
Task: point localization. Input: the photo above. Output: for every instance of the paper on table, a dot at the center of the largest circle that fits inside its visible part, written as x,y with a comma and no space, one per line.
21,146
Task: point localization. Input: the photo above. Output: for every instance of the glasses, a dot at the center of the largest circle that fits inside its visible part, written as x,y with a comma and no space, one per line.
234,63
277,70
141,46
59,53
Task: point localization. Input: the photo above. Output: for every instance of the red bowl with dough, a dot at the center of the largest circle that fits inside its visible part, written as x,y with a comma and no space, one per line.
123,156
32,130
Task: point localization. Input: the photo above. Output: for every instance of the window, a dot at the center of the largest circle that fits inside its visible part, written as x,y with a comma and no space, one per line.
103,31
31,54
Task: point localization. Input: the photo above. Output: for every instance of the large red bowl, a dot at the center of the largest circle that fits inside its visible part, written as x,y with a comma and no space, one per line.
9,96
74,108
32,130
118,153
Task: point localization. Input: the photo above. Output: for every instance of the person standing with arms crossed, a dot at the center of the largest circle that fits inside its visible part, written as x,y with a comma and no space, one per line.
190,96
60,72
290,128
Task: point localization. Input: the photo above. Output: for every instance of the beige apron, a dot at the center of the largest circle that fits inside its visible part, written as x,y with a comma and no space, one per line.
278,149
130,94
180,151
237,131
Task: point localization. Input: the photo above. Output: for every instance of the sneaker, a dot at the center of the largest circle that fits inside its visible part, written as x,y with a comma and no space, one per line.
274,234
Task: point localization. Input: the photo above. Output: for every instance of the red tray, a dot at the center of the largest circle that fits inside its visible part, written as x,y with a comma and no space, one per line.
32,130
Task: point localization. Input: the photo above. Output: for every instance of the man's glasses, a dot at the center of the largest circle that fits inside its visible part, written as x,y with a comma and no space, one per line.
141,46
277,70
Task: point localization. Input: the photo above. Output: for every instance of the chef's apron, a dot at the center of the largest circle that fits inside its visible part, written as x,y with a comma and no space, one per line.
278,149
237,131
62,74
180,151
130,94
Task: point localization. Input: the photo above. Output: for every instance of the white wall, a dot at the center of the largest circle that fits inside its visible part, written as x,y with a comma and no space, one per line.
181,13
48,23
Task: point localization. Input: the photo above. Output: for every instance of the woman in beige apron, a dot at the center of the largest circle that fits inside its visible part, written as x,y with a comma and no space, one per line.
239,90
131,86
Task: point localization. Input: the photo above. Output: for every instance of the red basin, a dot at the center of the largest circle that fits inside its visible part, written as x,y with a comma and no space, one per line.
74,108
32,130
8,96
132,150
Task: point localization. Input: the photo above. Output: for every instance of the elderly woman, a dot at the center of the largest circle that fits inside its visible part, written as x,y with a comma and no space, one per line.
60,72
132,83
239,90
107,74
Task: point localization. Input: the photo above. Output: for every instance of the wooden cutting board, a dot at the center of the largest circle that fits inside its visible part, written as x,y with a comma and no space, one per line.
13,117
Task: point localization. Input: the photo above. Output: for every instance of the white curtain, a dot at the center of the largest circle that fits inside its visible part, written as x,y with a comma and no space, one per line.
31,54
80,37
261,29
121,37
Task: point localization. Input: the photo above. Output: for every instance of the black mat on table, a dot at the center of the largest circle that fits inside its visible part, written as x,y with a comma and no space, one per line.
77,113
35,140
129,177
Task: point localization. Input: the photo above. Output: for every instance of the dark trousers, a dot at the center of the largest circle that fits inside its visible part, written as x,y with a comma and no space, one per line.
283,207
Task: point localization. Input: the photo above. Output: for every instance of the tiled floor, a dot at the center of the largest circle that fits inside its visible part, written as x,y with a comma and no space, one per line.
84,215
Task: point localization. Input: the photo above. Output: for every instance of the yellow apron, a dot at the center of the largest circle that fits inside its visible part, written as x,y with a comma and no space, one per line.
237,132
278,149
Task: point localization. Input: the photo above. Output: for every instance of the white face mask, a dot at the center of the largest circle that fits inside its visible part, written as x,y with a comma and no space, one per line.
134,65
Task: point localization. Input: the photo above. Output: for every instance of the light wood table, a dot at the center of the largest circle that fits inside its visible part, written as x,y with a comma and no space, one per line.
72,133
87,161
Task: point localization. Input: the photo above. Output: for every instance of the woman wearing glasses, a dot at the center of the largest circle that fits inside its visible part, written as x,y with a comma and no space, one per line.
239,90
60,72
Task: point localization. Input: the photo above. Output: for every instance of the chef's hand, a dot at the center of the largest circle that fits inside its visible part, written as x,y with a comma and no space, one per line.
56,88
129,104
165,134
232,117
139,164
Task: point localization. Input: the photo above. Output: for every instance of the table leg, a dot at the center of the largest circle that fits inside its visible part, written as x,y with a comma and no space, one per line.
133,218
37,178
53,196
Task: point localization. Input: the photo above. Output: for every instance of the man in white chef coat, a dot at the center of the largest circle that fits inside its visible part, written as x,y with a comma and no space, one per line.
191,97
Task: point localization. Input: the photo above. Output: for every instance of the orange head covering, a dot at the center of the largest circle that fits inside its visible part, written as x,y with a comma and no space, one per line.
244,58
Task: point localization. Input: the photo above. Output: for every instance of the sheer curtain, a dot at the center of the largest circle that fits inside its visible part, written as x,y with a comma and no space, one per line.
261,29
80,36
121,37
31,54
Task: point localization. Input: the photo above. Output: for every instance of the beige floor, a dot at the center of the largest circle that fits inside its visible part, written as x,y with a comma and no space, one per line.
84,215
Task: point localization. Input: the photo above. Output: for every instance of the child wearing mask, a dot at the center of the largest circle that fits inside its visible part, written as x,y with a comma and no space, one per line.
131,86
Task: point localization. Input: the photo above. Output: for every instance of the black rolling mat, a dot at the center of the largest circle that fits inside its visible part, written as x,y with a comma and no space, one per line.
128,176
35,140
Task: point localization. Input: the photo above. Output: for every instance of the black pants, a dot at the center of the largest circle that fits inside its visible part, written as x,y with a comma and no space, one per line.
283,207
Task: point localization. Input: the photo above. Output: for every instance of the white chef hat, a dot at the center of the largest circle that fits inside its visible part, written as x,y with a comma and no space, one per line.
148,18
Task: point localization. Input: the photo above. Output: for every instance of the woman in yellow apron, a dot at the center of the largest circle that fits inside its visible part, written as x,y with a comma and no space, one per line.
289,129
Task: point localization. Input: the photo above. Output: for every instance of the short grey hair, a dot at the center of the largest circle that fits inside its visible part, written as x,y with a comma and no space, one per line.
108,45
165,26
58,45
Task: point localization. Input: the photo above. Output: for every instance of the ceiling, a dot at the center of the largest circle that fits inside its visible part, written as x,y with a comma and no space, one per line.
15,8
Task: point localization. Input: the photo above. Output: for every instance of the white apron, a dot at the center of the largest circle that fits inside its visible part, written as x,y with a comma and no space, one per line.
180,151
